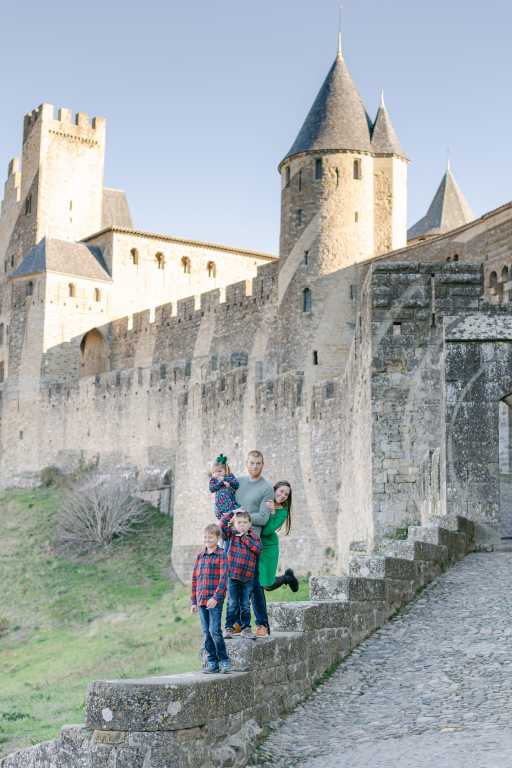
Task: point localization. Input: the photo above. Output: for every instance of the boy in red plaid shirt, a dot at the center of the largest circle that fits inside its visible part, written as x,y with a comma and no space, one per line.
208,591
242,551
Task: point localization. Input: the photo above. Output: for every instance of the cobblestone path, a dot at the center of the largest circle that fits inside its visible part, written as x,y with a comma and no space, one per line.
432,688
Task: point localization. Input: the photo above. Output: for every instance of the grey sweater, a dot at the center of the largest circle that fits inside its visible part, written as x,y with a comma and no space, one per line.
253,495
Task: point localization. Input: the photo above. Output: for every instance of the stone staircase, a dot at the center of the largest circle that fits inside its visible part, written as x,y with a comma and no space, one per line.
191,720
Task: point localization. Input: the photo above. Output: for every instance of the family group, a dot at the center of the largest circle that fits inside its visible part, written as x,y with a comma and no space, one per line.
240,556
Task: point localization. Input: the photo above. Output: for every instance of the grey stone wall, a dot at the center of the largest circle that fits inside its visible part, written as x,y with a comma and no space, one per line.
193,721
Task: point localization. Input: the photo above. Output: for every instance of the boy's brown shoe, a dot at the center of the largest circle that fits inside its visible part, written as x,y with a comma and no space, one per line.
261,631
236,628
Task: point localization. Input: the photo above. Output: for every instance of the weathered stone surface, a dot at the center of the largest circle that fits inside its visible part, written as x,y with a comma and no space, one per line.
420,550
304,616
384,567
346,588
454,540
160,703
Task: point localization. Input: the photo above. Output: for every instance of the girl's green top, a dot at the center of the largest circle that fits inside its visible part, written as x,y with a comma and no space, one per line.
269,556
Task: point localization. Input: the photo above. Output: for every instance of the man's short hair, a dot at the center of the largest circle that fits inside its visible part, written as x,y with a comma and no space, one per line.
243,514
255,454
212,528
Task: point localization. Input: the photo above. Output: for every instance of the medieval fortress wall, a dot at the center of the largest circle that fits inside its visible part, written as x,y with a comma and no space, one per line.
147,354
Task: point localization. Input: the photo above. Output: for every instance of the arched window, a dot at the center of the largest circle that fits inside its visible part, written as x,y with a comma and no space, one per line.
135,256
358,173
493,280
185,263
211,269
160,260
455,256
71,290
97,294
306,300
504,274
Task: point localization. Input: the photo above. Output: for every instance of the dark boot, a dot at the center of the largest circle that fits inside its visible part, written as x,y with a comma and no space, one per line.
291,579
279,582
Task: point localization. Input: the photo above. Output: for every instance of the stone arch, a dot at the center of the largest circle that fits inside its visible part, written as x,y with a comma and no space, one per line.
93,354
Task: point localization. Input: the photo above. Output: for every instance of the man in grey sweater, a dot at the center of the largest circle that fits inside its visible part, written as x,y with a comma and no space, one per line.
253,494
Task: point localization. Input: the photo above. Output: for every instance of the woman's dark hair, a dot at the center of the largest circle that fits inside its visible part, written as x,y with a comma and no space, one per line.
287,505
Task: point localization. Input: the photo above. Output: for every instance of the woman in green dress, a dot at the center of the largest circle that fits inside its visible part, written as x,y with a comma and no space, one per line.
280,515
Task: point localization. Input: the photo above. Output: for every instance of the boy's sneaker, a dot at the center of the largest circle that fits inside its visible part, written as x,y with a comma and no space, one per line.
247,634
262,631
225,667
228,633
291,580
211,669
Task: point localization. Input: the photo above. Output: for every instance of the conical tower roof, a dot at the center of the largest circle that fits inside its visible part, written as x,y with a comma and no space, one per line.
384,138
448,210
338,118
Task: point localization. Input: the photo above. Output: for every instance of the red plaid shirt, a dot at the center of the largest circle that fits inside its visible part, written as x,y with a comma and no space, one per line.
242,551
209,576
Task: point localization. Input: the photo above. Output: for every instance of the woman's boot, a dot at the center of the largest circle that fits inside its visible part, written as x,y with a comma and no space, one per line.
279,582
291,579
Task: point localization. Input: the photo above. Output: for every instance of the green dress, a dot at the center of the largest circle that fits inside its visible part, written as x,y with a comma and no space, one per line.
269,556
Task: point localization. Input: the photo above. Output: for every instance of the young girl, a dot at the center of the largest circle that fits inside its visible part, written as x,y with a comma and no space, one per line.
224,485
280,514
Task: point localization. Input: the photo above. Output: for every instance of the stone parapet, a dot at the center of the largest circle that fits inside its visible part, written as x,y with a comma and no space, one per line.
195,721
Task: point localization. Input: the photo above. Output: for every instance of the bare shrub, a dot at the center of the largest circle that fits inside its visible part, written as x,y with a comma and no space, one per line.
96,513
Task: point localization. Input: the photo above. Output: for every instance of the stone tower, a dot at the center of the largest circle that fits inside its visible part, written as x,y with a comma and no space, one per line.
61,193
343,200
449,209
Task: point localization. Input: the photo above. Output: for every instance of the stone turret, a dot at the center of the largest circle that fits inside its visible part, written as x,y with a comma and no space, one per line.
448,210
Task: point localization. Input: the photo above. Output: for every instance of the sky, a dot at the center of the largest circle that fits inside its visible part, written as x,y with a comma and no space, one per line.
203,99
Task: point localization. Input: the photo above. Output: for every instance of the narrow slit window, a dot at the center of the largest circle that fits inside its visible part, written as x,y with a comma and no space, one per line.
185,263
306,258
307,302
71,290
28,205
315,357
160,260
299,217
134,256
97,294
287,175
337,177
299,180
356,216
357,169
318,168
211,269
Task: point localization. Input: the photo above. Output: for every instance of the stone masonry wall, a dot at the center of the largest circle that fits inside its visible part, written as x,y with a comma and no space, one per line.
193,721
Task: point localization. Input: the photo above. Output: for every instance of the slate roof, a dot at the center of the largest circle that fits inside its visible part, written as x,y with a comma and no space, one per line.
448,210
384,138
68,258
338,118
116,212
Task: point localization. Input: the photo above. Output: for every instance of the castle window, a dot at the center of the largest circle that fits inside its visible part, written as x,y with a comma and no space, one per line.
356,216
456,257
337,177
318,168
28,205
306,300
30,288
448,258
185,263
493,280
358,174
71,290
397,329
160,260
1,334
315,357
299,217
70,205
306,258
97,294
212,269
504,274
135,256
300,180
12,261
287,176
2,371
329,390
6,265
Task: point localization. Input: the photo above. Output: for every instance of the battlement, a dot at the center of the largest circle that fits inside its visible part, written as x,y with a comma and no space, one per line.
67,123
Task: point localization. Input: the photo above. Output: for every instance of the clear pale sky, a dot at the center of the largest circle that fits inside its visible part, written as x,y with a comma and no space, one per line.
203,99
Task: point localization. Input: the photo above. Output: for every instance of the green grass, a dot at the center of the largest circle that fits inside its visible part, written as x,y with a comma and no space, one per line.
114,614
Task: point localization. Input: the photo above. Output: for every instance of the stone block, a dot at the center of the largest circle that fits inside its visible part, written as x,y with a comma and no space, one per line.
266,653
166,703
346,588
305,616
383,567
419,550
434,534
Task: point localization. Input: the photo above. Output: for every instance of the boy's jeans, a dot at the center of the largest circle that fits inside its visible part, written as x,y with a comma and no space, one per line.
239,595
214,644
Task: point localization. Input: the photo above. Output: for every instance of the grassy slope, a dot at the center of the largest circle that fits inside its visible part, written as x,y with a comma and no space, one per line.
115,615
